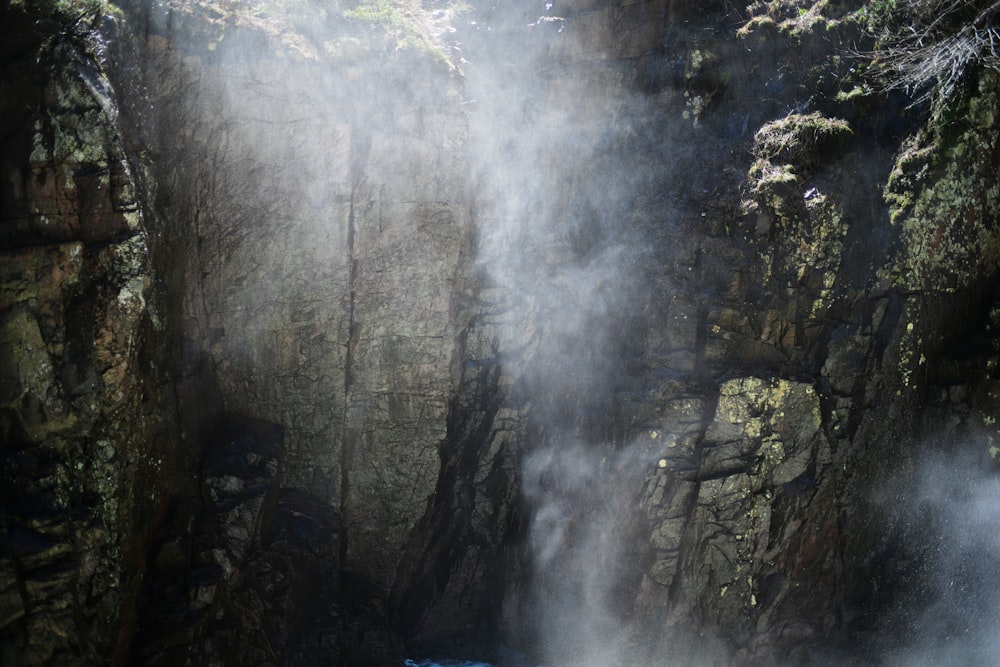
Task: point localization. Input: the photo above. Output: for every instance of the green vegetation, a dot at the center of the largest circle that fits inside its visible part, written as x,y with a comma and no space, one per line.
408,23
401,25
800,139
945,196
793,17
942,191
877,13
794,142
927,47
405,21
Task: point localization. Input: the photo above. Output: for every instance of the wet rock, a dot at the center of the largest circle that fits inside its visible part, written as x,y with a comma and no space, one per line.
185,593
360,313
669,271
73,279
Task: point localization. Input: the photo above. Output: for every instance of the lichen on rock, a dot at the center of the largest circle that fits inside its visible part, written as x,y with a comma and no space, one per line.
946,196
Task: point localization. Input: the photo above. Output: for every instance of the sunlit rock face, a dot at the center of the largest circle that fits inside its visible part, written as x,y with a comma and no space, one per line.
588,334
312,191
713,368
312,196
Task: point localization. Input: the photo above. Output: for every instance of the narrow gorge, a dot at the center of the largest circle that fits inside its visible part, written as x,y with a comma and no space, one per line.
351,332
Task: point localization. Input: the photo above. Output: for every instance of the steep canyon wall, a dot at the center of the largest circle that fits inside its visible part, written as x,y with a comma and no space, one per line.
602,333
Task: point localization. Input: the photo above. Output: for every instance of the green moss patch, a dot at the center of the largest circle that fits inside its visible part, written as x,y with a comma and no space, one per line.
801,139
944,193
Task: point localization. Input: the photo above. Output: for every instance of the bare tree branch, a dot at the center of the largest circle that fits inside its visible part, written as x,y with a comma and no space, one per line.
927,46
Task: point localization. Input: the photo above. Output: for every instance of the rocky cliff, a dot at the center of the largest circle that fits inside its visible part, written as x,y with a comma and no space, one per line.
579,333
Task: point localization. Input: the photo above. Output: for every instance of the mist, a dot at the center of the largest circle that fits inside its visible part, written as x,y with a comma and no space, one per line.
357,197
560,248
947,612
335,232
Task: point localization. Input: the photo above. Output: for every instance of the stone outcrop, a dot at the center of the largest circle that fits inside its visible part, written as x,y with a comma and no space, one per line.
82,420
319,234
614,331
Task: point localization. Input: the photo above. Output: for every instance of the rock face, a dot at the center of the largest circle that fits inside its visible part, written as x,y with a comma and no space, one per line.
82,423
613,333
319,262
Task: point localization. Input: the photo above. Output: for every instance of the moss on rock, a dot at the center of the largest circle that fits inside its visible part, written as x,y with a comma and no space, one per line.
801,139
944,193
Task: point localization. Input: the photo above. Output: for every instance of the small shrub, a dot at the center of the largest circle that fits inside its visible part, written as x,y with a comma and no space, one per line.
926,46
408,23
800,139
791,17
